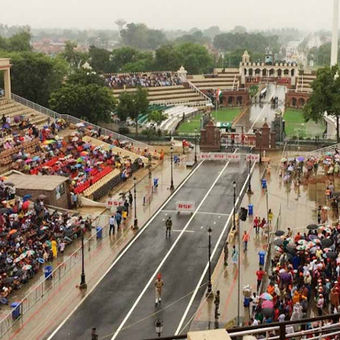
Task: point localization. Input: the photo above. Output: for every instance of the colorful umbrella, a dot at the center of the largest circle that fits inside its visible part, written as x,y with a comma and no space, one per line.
27,267
266,296
300,159
13,231
267,304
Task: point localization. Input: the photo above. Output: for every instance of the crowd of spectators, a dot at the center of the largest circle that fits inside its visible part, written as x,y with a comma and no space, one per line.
30,236
154,79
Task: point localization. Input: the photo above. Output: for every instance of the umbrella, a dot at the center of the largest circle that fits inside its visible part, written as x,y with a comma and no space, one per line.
312,226
283,160
79,160
326,242
27,197
13,231
29,160
325,207
332,254
278,242
35,158
41,260
75,139
328,153
78,165
30,252
27,267
266,296
300,159
279,233
80,124
301,247
42,196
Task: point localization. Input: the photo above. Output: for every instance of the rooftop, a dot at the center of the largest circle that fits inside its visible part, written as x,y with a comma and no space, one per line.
32,182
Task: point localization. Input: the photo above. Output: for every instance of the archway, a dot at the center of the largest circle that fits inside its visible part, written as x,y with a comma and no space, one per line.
271,72
286,72
239,100
294,101
257,71
301,102
230,100
279,72
292,72
264,72
245,71
250,72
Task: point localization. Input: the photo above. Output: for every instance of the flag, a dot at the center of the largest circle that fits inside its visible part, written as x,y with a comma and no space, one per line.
218,93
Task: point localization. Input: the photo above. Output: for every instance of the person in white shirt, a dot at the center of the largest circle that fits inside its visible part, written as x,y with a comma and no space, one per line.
112,222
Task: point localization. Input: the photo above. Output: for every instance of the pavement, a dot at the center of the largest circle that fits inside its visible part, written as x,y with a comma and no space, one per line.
121,305
58,297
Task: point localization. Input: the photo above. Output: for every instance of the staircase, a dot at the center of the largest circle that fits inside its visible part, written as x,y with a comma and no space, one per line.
304,82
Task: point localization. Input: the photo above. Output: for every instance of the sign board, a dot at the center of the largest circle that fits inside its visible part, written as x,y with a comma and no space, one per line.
253,157
185,206
215,156
111,203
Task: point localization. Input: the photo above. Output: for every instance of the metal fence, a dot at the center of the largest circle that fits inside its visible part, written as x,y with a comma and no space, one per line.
75,120
40,292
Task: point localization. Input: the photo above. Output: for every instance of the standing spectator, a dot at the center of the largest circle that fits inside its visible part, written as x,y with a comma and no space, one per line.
245,239
270,217
118,218
94,335
112,225
234,255
260,273
130,198
256,224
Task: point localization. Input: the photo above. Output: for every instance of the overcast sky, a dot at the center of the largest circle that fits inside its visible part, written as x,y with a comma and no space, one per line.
170,14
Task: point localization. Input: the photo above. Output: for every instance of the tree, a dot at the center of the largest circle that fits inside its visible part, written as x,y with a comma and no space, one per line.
74,58
19,42
100,59
156,116
140,36
133,104
126,55
167,58
325,96
35,76
90,102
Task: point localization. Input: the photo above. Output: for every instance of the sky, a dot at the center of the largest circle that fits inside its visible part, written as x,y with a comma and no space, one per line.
171,14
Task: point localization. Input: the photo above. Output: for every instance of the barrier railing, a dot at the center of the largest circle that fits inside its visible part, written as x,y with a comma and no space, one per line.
41,291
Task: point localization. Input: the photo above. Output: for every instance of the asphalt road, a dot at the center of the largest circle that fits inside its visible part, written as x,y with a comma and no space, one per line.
122,305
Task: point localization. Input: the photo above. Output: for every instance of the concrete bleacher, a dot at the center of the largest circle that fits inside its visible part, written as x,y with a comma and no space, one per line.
175,115
11,109
170,95
304,82
222,79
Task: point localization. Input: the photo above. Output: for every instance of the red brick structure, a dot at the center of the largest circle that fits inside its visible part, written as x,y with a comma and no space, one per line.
265,139
210,138
235,98
296,99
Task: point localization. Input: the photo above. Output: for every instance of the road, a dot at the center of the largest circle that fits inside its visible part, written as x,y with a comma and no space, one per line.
122,304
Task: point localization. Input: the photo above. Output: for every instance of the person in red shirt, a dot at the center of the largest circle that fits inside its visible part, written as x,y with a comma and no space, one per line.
257,224
260,273
297,238
245,239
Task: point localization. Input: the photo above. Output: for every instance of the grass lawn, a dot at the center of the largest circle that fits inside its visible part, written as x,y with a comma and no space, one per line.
221,115
296,125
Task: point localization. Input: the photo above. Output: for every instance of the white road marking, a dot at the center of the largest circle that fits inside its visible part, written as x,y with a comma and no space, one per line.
152,278
211,257
187,231
199,212
124,251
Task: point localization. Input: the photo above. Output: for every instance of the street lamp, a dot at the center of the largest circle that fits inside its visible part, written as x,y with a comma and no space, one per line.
209,292
83,284
150,158
249,175
234,212
159,327
172,169
195,146
135,224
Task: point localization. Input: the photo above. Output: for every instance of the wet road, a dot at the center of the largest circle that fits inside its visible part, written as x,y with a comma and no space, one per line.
122,305
259,112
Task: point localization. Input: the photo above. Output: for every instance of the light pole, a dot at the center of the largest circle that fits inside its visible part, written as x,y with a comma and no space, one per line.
150,158
83,284
135,223
172,169
249,175
209,291
234,212
195,146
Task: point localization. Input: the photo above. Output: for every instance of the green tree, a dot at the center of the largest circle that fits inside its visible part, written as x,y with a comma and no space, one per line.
100,60
19,42
126,58
133,104
140,36
325,96
85,77
91,102
35,76
167,58
74,58
156,116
